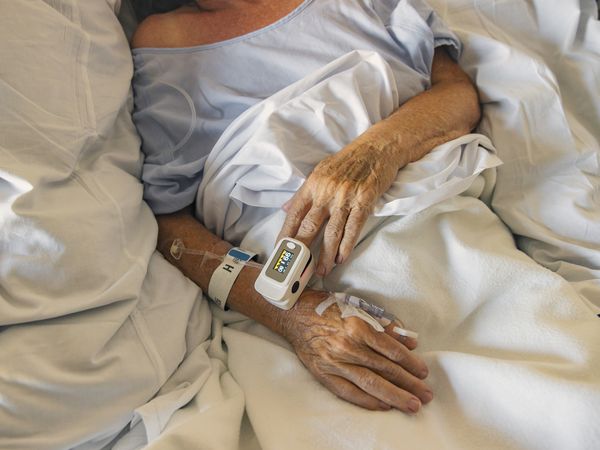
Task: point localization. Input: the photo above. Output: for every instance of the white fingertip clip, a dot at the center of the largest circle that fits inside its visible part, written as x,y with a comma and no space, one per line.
286,273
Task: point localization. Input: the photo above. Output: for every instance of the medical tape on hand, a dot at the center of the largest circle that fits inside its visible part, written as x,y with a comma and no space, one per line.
351,306
347,310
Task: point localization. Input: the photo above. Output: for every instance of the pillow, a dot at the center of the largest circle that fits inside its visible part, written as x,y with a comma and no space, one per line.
92,320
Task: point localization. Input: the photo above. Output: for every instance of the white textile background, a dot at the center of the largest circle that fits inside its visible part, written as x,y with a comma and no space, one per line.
512,347
537,67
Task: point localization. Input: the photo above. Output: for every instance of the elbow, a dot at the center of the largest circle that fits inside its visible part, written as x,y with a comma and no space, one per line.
460,106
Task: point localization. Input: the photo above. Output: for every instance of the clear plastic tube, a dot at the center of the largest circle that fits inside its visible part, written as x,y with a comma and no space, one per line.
178,249
384,317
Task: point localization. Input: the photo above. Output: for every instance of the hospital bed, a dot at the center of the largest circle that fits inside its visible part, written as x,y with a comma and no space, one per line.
103,344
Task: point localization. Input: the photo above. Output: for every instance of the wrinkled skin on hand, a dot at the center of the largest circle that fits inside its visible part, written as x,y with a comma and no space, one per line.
342,191
375,370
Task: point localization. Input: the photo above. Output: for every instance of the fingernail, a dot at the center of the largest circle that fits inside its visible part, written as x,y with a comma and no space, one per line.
424,373
414,405
427,396
339,259
321,270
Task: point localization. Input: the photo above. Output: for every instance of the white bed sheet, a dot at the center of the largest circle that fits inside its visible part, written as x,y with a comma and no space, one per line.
69,162
92,320
537,65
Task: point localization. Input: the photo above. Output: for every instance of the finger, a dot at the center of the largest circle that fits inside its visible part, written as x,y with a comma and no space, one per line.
296,212
349,392
311,224
395,351
356,219
287,205
378,387
394,373
409,342
334,231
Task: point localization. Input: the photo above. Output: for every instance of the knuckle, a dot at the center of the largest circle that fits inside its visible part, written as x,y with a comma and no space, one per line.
343,192
343,210
398,355
396,374
367,381
362,206
341,346
294,216
308,226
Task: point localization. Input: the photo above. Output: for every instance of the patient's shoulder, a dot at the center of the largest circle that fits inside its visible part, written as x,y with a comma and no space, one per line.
160,30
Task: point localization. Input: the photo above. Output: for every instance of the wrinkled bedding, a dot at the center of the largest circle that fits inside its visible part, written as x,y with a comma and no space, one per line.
104,345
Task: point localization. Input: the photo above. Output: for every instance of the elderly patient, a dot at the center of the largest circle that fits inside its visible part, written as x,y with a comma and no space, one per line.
224,56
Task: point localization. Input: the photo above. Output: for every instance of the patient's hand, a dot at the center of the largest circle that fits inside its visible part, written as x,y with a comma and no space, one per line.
368,368
343,188
342,191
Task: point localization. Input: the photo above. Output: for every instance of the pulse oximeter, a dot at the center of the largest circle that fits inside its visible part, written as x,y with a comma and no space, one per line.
286,273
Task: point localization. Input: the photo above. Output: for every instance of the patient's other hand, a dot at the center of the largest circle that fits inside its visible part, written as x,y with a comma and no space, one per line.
368,368
342,191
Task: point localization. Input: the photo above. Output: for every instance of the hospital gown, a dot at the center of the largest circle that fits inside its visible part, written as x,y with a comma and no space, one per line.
186,97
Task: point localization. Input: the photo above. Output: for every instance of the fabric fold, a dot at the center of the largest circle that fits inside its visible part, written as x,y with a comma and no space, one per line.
265,155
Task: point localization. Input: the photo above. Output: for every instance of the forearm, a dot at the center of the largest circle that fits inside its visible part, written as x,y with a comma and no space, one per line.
448,110
243,297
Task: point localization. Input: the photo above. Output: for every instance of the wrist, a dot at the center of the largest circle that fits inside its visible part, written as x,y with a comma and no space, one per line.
226,273
299,316
386,142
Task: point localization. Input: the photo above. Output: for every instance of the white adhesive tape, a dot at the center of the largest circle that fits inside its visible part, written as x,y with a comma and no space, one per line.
406,333
346,304
347,310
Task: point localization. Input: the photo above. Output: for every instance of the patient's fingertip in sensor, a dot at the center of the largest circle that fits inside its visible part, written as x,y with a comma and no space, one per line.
406,333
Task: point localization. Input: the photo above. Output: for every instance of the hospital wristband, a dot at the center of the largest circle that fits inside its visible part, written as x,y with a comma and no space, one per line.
224,276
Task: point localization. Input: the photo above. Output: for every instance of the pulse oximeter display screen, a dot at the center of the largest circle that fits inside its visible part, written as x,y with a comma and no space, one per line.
282,262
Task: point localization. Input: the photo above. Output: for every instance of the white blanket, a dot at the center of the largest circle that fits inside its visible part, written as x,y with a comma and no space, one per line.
93,323
511,347
537,66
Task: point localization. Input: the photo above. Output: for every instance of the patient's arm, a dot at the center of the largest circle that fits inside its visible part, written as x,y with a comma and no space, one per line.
343,188
371,369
